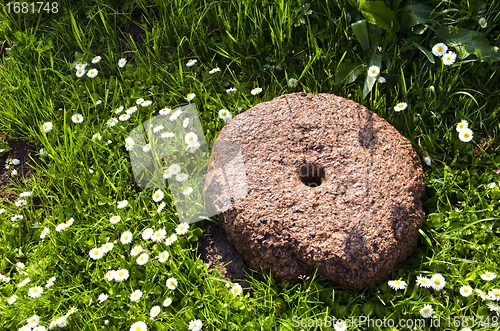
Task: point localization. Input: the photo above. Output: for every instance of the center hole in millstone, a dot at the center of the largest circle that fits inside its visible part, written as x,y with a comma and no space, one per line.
311,174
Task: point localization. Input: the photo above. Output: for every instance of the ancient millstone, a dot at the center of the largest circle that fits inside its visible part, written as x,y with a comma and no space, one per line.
331,185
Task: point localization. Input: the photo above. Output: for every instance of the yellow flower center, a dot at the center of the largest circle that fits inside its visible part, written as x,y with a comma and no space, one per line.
35,290
374,71
126,237
223,113
466,290
400,106
440,48
488,275
448,57
158,234
96,253
138,328
437,281
466,135
191,138
120,273
157,195
163,256
426,310
496,293
397,282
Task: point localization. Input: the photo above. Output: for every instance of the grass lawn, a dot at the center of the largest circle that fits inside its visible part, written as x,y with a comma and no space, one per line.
85,248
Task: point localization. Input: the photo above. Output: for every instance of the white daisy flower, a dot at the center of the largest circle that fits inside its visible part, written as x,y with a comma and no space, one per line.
397,284
193,147
256,91
187,191
71,311
47,126
81,66
97,136
427,311
167,173
77,118
146,148
80,73
146,103
124,117
39,328
483,23
191,138
170,240
102,297
50,282
292,82
439,49
175,115
438,282
172,283
167,302
26,194
13,173
174,169
16,217
110,275
119,110
195,325
114,219
373,71
96,59
191,62
33,321
167,134
112,122
142,259
107,247
138,326
494,294
163,256
12,299
35,292
449,58
465,135
190,97
462,125
165,111
158,128
493,306
158,195
488,275
381,80
121,275
231,90
214,70
131,110
21,203
96,253
5,279
185,123
236,290
136,295
481,294
428,160
400,106
139,101
423,282
126,237
182,229
129,144
225,115
159,235
160,207
340,325
92,73
181,177
60,227
98,102
154,311
122,204
147,233
136,250
122,62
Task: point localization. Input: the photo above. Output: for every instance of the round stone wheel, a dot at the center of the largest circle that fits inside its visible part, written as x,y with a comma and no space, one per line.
330,185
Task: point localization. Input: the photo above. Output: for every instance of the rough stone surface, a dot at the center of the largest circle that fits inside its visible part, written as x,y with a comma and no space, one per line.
357,226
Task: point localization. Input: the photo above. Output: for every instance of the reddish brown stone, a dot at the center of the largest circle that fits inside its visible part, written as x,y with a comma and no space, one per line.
357,226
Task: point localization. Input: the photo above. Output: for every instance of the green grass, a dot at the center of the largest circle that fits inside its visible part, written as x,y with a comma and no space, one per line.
255,44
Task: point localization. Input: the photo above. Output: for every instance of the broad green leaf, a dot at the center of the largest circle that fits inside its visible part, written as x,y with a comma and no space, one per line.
370,81
415,14
425,51
377,13
468,42
361,32
344,71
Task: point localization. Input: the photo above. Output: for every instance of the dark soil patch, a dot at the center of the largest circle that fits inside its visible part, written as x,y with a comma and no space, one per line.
219,254
28,157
